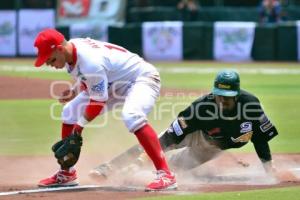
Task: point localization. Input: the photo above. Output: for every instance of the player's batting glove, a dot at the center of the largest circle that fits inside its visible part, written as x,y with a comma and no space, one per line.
67,151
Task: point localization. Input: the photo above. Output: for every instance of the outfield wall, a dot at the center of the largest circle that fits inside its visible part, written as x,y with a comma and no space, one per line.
271,42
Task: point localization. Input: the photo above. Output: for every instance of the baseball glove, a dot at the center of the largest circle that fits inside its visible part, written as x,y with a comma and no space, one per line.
67,151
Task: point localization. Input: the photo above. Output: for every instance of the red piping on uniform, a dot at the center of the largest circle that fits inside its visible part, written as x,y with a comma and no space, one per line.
74,55
83,86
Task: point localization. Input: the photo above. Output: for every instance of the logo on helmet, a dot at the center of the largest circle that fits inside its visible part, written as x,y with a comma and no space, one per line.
227,83
222,86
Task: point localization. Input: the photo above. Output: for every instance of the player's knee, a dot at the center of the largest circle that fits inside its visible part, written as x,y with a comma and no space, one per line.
133,120
68,114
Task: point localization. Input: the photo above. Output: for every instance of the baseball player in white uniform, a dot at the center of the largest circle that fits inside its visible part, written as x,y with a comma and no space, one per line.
108,75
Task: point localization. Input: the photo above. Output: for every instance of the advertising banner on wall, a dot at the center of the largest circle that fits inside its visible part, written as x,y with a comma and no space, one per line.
298,38
82,11
94,31
8,42
31,22
162,40
233,41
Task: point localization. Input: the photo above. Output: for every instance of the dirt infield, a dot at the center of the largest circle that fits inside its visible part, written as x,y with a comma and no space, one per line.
34,88
221,174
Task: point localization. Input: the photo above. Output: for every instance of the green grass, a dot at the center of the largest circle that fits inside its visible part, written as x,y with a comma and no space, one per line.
257,83
28,129
26,126
267,194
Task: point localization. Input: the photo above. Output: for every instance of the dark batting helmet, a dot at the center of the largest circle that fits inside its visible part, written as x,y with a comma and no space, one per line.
227,83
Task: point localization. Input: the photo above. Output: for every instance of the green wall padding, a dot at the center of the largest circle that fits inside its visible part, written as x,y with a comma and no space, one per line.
264,46
197,41
286,42
128,36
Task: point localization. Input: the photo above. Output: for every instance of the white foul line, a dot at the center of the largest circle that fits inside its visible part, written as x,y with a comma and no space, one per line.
48,190
74,188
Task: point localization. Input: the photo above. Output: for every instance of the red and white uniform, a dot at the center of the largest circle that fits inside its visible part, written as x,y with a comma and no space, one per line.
113,75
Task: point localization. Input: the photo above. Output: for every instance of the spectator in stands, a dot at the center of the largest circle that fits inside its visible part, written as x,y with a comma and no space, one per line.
188,9
270,11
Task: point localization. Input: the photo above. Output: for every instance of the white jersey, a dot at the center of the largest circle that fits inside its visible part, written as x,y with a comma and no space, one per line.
102,66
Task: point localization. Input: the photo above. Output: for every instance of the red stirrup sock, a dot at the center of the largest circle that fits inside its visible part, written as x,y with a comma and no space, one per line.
66,130
149,140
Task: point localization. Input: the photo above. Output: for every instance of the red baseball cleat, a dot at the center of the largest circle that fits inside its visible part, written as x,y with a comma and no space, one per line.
60,179
164,181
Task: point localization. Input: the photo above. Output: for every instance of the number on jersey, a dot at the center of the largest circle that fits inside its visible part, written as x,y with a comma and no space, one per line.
111,46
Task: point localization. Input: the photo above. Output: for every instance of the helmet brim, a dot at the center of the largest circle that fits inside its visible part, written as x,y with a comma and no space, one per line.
225,93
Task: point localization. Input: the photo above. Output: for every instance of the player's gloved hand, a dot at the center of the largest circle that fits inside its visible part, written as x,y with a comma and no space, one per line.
67,151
